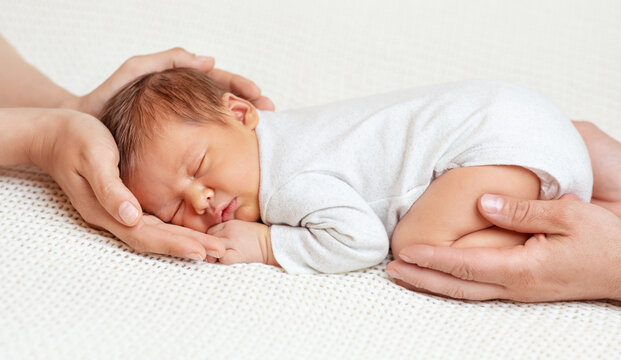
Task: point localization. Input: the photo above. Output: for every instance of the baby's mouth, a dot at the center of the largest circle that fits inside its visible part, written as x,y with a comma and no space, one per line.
226,213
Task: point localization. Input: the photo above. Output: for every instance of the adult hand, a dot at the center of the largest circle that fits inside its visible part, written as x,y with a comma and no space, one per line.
605,153
135,66
575,255
81,155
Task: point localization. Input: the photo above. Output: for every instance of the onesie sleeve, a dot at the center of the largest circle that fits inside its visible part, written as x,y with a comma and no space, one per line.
320,224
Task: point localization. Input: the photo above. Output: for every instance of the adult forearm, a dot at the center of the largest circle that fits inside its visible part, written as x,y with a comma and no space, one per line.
25,86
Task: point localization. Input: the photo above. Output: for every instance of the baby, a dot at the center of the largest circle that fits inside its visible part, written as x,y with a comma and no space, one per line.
335,185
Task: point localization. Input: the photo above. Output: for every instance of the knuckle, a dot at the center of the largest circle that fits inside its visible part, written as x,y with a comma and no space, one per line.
90,157
133,65
566,214
131,62
88,213
456,292
415,282
89,219
462,270
520,210
178,51
106,190
138,246
522,277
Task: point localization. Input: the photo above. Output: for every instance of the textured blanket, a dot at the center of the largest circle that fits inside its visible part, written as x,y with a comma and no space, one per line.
69,291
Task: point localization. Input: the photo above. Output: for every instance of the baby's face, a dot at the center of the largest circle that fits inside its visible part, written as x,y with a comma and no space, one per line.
199,175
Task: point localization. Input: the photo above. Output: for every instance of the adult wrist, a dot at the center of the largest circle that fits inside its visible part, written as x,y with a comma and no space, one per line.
22,131
72,102
45,127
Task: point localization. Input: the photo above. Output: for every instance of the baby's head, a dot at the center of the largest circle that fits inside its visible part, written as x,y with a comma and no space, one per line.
188,150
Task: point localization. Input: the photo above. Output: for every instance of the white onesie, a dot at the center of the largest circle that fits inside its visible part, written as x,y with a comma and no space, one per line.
336,179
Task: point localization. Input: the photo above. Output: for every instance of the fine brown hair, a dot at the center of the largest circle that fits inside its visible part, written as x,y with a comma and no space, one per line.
137,111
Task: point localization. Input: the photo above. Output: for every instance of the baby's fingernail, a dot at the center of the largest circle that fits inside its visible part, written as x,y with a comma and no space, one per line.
194,256
491,204
393,274
128,212
213,254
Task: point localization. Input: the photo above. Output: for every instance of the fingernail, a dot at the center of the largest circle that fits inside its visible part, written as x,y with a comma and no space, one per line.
194,256
393,274
491,203
213,254
128,212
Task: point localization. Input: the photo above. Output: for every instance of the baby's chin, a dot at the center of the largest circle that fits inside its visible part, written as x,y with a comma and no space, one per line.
247,213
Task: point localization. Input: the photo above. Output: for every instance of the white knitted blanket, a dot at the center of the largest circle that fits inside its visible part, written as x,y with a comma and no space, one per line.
69,291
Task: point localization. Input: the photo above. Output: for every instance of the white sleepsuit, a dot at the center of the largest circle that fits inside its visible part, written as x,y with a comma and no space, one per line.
336,179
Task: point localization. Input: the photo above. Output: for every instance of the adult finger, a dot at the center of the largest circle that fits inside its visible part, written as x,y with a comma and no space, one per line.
570,197
237,84
488,265
113,195
439,282
168,59
264,103
155,236
242,87
136,66
528,216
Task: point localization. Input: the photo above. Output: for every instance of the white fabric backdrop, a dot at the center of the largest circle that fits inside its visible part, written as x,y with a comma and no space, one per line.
68,291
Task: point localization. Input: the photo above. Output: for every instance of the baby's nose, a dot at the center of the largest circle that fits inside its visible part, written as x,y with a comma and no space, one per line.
203,201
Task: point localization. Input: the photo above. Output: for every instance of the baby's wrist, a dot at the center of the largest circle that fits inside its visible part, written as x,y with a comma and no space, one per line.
268,247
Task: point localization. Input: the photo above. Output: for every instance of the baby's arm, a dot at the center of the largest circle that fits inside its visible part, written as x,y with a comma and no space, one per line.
447,214
319,224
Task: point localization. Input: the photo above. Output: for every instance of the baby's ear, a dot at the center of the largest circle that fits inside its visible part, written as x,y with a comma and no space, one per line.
242,110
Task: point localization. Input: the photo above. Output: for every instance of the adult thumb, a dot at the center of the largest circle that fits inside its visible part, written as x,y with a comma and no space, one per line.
115,197
526,216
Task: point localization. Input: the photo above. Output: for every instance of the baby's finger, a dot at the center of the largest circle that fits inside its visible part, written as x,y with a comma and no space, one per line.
231,256
216,230
213,245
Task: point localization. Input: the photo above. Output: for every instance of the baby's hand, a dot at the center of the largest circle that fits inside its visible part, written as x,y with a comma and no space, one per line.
245,242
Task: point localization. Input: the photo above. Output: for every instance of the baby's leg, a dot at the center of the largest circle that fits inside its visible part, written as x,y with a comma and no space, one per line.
447,214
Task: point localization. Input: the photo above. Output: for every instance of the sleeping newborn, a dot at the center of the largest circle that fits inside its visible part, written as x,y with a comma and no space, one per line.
330,188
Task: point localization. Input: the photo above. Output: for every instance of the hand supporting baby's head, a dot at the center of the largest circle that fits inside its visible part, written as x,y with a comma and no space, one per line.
187,149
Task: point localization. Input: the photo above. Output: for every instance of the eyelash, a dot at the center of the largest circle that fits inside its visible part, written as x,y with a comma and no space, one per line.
200,165
198,169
